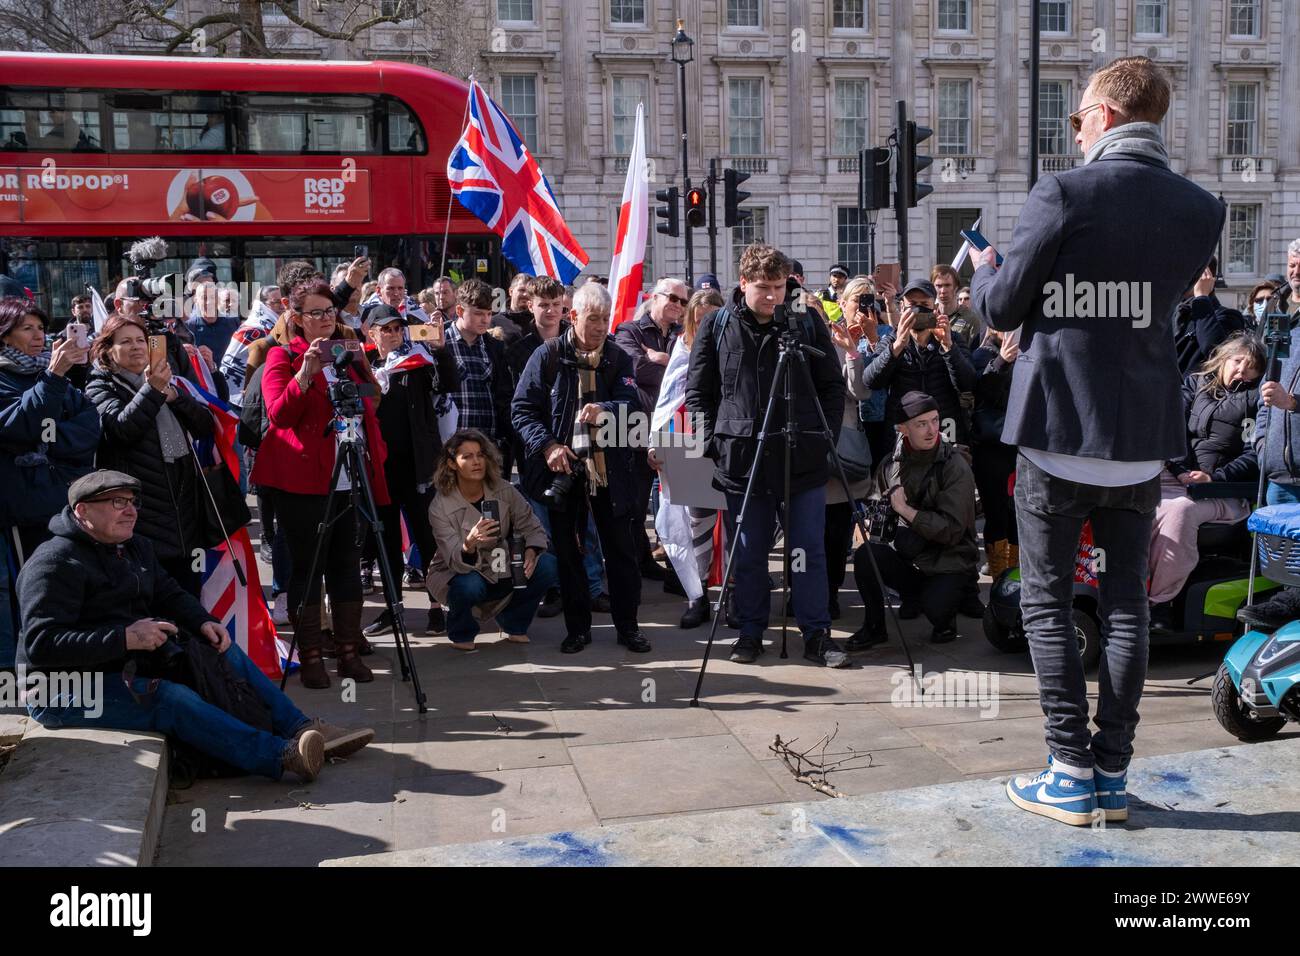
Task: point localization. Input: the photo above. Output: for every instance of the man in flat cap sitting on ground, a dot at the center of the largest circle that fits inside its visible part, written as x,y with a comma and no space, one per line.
94,598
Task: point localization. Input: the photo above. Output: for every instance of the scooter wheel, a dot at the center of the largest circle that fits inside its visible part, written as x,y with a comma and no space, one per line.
1233,714
1002,637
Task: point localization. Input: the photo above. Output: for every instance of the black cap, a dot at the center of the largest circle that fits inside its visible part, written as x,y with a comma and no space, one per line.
98,483
796,267
201,266
921,285
915,403
381,314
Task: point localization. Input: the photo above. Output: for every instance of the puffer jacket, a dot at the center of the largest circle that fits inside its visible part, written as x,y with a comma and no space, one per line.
1217,423
78,596
170,507
941,487
941,375
34,476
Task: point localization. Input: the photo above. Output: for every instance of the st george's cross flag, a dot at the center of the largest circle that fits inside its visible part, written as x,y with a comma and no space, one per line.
496,178
627,271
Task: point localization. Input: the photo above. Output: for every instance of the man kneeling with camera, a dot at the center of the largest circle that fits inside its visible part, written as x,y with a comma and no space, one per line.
95,599
491,548
927,529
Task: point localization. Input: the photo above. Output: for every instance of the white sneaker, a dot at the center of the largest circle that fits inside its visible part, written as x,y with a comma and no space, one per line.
280,610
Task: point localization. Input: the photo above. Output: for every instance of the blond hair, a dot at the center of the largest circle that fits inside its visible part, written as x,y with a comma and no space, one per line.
1137,87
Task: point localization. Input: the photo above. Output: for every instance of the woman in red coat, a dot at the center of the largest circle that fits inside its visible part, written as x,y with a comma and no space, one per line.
296,458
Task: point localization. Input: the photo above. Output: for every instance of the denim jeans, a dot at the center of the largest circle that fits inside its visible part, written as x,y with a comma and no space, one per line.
1278,494
593,561
806,528
169,708
1050,513
468,590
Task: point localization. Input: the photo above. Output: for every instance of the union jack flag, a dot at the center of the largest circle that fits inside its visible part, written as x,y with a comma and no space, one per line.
496,178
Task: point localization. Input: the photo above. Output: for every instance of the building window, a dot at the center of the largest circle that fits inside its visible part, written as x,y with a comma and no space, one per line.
627,92
1242,99
1053,118
849,15
743,13
1243,18
954,15
519,100
747,232
1054,16
745,116
954,114
1151,17
851,117
515,11
1243,239
852,242
627,12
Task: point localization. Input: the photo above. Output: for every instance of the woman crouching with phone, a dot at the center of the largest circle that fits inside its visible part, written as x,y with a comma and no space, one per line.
296,458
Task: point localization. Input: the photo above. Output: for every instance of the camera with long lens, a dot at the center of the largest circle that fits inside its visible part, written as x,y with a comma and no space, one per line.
882,520
144,285
517,576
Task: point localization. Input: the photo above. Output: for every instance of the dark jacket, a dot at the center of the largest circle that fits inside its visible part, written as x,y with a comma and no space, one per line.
1100,387
1216,427
1277,432
77,597
513,324
727,387
991,394
1202,323
941,487
941,375
546,405
130,443
520,350
32,493
635,338
503,389
407,419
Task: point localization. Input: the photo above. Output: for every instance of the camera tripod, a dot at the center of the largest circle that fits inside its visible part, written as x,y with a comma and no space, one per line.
792,354
361,504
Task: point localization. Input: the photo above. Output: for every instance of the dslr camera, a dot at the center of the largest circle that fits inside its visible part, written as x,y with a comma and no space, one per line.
882,520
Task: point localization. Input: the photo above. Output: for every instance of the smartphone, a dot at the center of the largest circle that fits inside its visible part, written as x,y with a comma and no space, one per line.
886,272
977,241
157,350
430,332
79,334
491,509
360,252
330,349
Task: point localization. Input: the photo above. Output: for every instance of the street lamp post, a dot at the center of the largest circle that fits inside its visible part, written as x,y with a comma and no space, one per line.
683,53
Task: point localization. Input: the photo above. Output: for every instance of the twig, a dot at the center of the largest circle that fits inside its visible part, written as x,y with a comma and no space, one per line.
815,773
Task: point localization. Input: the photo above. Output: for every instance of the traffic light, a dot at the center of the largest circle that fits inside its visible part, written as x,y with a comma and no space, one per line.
734,197
910,192
695,210
669,212
873,179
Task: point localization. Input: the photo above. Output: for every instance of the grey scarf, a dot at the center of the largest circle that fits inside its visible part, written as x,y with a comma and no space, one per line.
171,436
1135,139
23,363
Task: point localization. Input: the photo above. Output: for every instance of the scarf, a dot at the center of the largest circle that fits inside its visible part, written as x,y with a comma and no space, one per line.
23,363
171,435
405,358
1134,139
589,453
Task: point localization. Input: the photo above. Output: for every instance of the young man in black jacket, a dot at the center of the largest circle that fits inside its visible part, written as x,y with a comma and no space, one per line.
486,382
95,600
730,377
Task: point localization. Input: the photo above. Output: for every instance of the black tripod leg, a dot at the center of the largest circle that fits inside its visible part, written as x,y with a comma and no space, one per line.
735,542
783,376
313,569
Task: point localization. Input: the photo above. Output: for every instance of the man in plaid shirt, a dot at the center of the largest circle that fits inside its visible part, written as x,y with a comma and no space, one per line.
486,384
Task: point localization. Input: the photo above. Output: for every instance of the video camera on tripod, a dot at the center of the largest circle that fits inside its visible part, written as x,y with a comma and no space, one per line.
144,285
345,395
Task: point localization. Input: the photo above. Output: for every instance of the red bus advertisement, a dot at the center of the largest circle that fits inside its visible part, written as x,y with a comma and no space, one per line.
248,162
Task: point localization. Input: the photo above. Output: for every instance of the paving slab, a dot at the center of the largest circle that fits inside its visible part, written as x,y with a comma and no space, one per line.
1235,806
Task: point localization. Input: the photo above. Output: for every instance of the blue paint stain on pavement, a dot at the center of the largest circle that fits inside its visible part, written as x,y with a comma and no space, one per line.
1171,777
564,849
851,838
1088,858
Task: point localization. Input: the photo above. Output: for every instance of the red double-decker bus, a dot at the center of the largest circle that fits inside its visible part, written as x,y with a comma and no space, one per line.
248,162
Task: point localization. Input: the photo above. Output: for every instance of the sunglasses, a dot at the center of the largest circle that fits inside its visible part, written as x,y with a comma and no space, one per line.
674,298
119,502
1076,119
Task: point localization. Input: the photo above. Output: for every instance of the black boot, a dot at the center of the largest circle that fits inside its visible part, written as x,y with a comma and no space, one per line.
550,606
747,650
820,647
697,613
380,625
865,638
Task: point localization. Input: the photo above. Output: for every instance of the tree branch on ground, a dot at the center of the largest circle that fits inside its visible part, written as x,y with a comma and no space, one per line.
814,771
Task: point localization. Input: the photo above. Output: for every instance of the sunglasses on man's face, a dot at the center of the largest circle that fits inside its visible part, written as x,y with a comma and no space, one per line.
676,299
1076,119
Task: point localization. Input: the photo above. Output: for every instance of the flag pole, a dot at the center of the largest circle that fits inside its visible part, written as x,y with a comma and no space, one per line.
446,229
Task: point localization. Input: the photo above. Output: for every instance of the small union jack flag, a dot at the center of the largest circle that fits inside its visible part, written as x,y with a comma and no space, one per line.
496,178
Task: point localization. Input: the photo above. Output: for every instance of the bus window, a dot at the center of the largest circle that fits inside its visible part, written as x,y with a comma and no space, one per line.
53,120
404,132
168,122
310,124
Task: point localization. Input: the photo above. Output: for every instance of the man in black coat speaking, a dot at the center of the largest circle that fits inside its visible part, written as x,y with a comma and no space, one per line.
1098,262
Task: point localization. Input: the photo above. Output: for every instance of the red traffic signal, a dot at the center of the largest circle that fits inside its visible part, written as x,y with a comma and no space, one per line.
695,207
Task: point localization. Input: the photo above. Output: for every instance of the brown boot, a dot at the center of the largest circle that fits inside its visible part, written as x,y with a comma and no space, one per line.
347,641
1013,555
306,630
997,552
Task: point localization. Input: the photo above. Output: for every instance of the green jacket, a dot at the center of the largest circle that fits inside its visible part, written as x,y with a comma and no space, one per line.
941,487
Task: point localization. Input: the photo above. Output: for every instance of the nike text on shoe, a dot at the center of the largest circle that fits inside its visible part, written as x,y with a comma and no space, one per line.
1055,794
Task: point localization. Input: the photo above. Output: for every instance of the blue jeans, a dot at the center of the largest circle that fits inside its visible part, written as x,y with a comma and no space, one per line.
469,590
1050,512
593,561
8,615
170,708
752,595
1282,494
